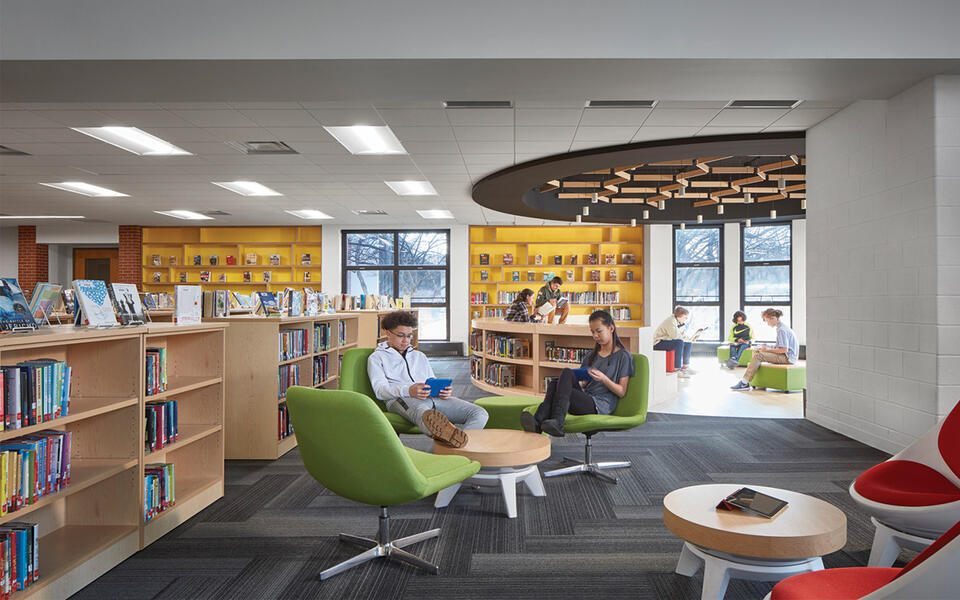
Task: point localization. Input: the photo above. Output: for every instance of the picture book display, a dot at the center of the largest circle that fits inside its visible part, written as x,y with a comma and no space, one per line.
250,258
187,307
304,259
484,259
126,303
95,303
45,296
296,303
268,304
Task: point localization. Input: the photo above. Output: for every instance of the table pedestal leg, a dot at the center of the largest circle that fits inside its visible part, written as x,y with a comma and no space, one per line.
688,564
534,483
508,483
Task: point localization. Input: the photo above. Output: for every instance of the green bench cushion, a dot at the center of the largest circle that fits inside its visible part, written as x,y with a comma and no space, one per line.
788,378
504,411
723,353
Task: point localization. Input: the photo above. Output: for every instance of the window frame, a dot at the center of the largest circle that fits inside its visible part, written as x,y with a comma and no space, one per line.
766,263
396,267
718,265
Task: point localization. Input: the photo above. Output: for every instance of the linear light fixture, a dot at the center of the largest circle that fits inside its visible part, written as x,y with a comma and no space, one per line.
133,140
435,214
308,213
42,217
86,189
412,188
188,215
247,188
367,139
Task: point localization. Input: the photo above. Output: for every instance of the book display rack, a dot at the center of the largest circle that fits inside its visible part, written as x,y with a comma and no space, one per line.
370,334
97,520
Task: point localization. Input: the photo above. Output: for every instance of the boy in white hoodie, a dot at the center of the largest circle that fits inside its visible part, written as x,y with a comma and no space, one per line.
397,373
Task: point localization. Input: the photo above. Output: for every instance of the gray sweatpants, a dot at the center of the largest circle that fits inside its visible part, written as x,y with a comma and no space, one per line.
463,414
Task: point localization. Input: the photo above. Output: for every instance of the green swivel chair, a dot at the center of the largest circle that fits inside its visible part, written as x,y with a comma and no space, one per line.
349,447
353,377
631,411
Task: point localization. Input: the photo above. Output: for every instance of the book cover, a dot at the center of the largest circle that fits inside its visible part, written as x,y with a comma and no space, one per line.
156,260
275,260
251,258
231,259
484,259
570,275
312,304
267,276
157,277
246,277
612,275
548,275
516,276
214,259
557,259
43,299
304,259
508,258
204,275
126,302
538,259
573,259
591,259
68,300
197,260
183,277
628,259
149,302
484,275
531,276
187,306
268,303
307,277
594,275
628,276
296,303
222,277
173,260
221,303
95,302
610,259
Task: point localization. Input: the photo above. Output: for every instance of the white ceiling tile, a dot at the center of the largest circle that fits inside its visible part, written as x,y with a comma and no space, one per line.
266,105
316,147
280,118
414,117
679,117
486,147
79,118
804,117
521,158
240,134
195,105
484,134
663,133
431,170
437,159
216,118
480,116
208,148
147,118
340,117
594,117
618,134
12,136
542,148
715,104
825,103
299,134
488,159
424,134
418,148
545,133
25,118
727,130
548,116
734,117
584,145
183,134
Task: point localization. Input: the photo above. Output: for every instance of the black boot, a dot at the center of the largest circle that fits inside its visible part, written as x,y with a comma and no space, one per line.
560,404
529,422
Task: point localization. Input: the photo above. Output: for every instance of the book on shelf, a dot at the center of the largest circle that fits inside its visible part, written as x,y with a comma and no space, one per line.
307,277
501,375
508,258
149,302
155,371
516,276
197,260
591,259
231,260
506,346
569,354
274,260
158,489
183,277
612,275
216,303
251,258
609,259
628,276
321,336
484,275
538,259
43,299
162,427
214,260
484,259
187,307
305,259
172,261
570,275
36,465
573,259
204,276
288,376
548,275
241,301
296,303
594,275
628,259
311,303
156,260
95,302
246,277
321,368
157,277
267,276
268,304
292,344
222,277
126,302
69,300
531,276
19,556
286,426
34,391
557,259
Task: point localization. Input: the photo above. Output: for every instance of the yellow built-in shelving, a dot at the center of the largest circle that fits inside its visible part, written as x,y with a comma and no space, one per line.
180,245
608,243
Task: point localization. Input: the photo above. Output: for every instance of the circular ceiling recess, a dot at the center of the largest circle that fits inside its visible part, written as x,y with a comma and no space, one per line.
719,178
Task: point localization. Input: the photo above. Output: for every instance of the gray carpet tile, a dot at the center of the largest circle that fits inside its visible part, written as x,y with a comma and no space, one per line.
276,528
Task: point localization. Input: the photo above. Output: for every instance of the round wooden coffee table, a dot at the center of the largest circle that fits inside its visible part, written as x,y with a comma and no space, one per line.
507,456
733,544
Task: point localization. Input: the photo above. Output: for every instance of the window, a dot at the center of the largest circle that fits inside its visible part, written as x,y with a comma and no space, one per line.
766,275
698,278
403,263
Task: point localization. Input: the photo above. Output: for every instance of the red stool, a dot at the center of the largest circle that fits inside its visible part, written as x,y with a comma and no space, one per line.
669,354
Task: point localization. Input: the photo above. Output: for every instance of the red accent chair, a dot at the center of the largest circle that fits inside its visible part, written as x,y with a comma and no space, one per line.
932,574
915,496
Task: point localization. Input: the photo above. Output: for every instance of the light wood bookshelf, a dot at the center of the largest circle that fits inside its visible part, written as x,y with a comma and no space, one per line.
183,243
251,379
96,521
531,371
525,243
368,325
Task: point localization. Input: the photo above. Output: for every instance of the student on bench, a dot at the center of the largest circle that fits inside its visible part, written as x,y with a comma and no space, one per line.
397,373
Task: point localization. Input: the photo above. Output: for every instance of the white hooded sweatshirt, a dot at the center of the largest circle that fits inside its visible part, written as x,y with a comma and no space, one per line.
391,373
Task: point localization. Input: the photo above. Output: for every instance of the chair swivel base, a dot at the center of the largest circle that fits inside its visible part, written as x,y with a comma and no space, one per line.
588,466
384,547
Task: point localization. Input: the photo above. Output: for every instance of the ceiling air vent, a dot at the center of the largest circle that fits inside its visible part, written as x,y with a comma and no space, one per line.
216,213
8,151
763,103
368,213
478,104
262,147
621,103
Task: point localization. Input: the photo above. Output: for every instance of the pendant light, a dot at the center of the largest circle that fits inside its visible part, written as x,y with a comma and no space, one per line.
683,225
747,198
586,211
699,218
646,215
782,184
746,223
803,204
661,204
579,219
773,213
633,222
720,209
595,198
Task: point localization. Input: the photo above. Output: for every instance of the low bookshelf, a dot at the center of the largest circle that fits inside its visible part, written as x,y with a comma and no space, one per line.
254,367
527,353
371,333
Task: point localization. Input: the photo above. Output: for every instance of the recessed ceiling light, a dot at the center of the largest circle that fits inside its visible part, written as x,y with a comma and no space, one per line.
435,214
412,188
763,103
79,187
42,217
478,104
247,188
308,213
365,212
367,139
184,214
133,140
621,103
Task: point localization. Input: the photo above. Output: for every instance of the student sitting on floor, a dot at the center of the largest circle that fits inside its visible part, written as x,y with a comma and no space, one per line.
397,373
609,366
785,351
740,335
670,335
520,309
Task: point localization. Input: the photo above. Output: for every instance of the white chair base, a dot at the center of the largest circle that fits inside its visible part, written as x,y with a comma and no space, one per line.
719,568
888,542
507,478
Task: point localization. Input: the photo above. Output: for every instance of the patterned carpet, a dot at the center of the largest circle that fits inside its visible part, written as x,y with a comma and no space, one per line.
276,528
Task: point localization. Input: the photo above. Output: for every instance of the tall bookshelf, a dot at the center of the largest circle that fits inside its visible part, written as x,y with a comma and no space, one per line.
96,521
525,243
252,377
184,243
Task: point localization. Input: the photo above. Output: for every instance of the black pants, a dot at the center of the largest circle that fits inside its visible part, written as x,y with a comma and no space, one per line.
565,395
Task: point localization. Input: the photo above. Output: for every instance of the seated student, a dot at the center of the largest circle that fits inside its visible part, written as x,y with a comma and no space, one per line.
520,309
740,335
550,293
669,335
397,373
784,352
610,368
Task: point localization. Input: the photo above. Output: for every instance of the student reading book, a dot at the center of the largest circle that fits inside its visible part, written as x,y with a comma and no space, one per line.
670,335
740,335
398,374
551,296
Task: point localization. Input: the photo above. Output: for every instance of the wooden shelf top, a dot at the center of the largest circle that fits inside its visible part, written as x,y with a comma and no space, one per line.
294,360
64,334
505,391
507,359
286,445
184,383
188,433
330,379
185,488
502,326
80,408
160,329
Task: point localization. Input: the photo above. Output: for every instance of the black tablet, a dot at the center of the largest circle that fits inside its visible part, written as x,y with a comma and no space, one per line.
754,502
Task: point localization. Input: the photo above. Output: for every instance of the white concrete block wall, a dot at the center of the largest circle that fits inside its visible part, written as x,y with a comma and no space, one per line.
881,352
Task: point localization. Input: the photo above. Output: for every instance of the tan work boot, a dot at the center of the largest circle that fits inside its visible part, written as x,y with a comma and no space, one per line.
441,429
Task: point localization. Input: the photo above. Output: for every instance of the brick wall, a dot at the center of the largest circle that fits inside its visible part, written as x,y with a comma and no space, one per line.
130,244
32,259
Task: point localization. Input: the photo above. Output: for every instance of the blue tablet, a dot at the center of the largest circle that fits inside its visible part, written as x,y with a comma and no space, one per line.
437,385
581,374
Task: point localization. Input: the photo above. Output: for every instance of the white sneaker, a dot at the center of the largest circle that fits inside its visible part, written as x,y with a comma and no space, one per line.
688,371
682,374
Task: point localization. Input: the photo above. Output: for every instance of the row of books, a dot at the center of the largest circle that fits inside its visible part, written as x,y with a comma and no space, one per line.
479,298
621,314
285,427
495,313
33,466
293,343
321,368
476,340
341,332
162,424
249,258
476,367
156,371
91,302
508,347
573,259
19,556
289,375
216,303
594,298
321,337
501,375
34,392
564,353
158,489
